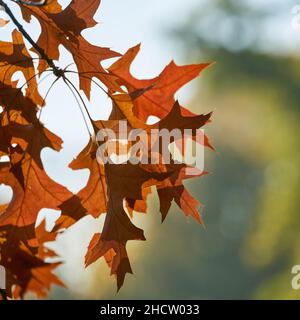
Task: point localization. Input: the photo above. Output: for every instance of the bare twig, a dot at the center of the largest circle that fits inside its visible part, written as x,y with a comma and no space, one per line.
57,71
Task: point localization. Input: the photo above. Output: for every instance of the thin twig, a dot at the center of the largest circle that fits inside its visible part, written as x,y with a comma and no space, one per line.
57,71
79,106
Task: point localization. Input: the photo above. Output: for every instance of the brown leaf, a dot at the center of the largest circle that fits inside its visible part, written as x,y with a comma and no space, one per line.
15,57
25,267
92,198
65,27
158,100
115,255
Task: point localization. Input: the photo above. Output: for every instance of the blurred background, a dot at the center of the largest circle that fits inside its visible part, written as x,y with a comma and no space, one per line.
251,197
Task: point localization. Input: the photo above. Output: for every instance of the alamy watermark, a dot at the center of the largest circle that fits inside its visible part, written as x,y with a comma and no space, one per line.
295,283
151,146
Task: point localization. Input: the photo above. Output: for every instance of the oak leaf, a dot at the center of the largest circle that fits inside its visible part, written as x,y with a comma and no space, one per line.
64,27
159,99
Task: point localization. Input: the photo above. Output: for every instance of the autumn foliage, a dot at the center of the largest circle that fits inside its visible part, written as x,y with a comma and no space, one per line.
117,190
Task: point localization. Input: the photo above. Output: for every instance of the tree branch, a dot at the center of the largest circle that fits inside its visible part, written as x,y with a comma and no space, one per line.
57,71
